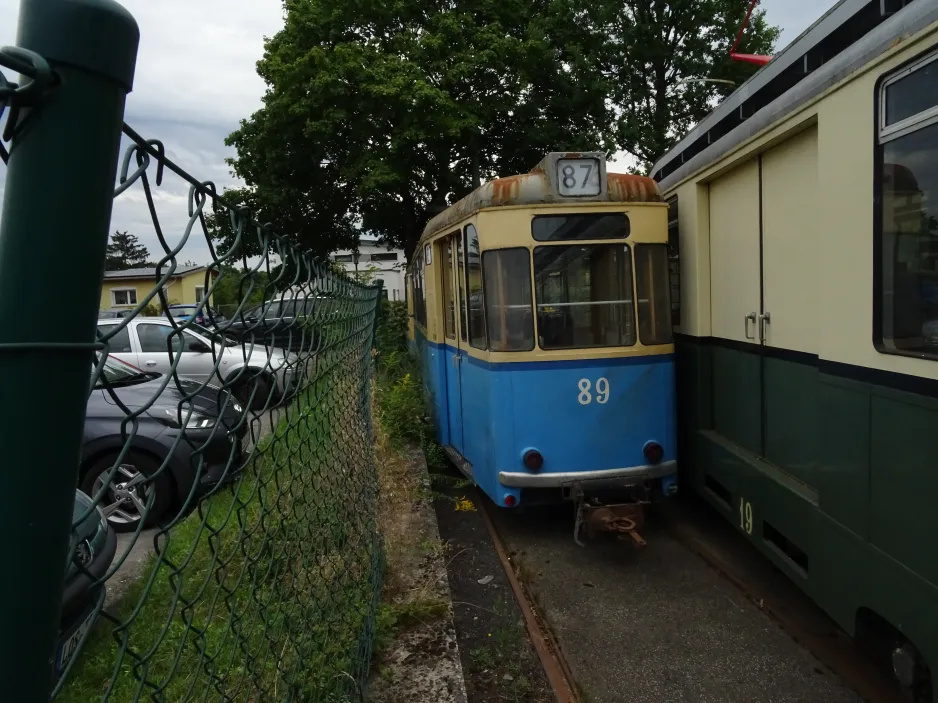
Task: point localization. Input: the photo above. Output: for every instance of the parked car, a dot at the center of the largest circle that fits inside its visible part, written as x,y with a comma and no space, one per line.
211,435
114,313
92,546
251,368
202,317
282,323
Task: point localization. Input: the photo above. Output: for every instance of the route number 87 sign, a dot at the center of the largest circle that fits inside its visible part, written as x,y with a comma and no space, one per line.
578,177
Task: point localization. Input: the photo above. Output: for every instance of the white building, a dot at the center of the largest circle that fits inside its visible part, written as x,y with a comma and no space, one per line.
375,261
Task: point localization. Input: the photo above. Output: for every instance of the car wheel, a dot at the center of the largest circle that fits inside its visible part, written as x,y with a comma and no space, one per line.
124,501
256,384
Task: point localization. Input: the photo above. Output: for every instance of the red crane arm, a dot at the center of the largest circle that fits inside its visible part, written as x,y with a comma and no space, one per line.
758,59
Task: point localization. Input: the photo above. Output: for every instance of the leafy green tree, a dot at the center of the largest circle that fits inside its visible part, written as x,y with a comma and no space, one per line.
125,251
378,115
658,52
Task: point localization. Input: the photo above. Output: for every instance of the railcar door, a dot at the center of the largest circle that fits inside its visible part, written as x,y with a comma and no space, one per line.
735,291
451,250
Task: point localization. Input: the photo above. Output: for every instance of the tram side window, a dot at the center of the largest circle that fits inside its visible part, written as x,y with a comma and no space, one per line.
507,284
907,228
420,309
674,261
584,296
449,297
474,286
652,280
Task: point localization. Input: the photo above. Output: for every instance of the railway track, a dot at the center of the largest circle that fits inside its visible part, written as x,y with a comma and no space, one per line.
749,573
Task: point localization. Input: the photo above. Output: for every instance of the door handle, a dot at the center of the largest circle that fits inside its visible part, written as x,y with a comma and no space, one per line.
150,363
751,317
764,319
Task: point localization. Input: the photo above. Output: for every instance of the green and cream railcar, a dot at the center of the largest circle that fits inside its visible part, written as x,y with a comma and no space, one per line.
805,213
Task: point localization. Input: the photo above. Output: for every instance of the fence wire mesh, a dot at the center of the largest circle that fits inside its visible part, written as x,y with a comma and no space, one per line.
224,544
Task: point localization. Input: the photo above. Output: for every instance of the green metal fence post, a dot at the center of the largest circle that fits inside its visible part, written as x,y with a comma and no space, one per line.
53,231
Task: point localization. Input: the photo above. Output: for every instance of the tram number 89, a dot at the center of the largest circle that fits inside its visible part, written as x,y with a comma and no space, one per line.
586,396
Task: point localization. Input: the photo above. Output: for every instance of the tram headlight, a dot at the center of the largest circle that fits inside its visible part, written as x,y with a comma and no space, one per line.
532,460
653,452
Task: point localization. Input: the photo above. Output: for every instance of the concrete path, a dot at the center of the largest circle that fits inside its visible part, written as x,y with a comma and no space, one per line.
657,624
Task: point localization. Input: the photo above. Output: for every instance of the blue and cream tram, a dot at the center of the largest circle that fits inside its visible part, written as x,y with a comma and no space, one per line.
541,314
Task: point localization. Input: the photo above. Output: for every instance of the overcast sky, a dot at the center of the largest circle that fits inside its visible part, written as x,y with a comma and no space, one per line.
195,80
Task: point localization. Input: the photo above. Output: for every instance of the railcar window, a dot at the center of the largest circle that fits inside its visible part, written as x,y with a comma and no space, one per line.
652,282
420,310
553,228
674,261
461,279
449,297
474,286
906,247
584,296
506,277
911,94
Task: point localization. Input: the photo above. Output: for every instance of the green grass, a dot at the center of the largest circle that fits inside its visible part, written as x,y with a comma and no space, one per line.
268,591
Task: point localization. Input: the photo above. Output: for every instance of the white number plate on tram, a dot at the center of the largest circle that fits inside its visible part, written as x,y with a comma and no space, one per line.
578,177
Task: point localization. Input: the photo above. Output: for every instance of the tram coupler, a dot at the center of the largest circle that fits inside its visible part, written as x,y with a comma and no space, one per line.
625,519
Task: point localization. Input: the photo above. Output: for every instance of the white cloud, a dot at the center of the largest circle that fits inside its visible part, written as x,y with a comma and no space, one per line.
196,78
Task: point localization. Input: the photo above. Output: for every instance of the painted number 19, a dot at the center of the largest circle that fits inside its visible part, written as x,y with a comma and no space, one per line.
745,515
602,391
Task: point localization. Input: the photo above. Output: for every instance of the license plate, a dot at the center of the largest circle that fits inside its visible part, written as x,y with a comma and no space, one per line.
70,646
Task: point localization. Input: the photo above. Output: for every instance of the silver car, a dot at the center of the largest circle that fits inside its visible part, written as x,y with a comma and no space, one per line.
249,369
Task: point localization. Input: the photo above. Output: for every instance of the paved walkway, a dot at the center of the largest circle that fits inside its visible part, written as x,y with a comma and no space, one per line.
657,624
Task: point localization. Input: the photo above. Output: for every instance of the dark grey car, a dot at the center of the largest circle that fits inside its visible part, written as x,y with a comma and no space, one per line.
199,449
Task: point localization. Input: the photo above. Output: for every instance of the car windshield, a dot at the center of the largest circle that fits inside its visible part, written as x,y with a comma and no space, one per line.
182,309
212,334
117,373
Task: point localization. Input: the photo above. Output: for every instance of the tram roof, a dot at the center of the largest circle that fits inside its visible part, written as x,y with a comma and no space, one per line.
844,39
536,188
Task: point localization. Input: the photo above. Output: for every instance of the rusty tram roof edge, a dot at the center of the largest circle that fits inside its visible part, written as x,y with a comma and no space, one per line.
532,189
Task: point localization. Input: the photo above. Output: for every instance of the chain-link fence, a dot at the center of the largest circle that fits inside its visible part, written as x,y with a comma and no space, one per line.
222,543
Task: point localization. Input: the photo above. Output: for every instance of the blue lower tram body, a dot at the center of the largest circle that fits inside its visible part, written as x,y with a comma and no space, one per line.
589,419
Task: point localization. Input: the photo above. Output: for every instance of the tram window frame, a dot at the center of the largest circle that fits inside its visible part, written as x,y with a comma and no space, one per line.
461,284
420,311
650,334
447,258
628,323
540,222
674,260
489,257
896,305
478,333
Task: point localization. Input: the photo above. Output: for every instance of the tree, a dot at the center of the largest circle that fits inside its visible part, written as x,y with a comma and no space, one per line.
378,115
124,252
655,51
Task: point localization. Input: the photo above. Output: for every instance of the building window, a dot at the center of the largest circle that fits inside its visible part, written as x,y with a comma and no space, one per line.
507,284
199,293
394,293
344,258
674,261
906,227
385,256
384,293
584,296
124,296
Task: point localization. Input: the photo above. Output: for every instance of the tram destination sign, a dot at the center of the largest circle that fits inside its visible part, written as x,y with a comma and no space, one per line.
578,177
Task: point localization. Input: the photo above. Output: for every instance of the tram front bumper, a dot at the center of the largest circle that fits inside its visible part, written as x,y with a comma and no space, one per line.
630,474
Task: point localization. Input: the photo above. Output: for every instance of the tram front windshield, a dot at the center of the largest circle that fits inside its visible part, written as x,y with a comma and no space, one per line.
584,296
